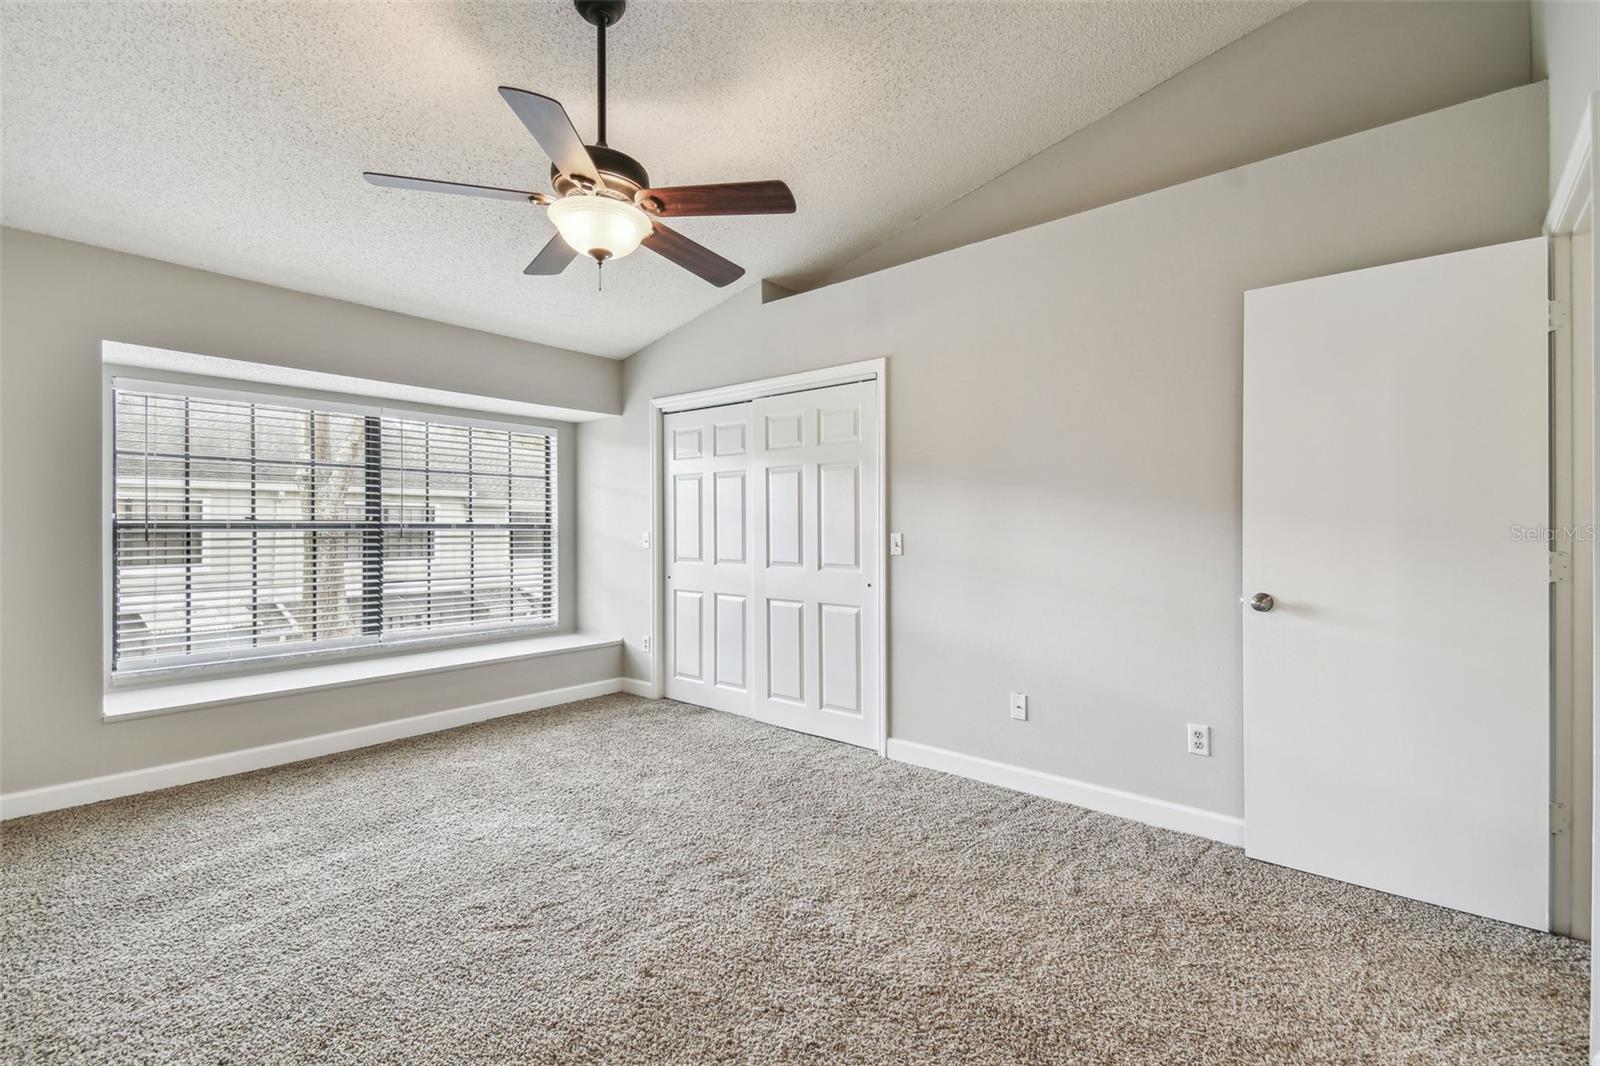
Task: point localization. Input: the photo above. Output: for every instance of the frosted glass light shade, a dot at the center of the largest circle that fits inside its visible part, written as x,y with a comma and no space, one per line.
599,226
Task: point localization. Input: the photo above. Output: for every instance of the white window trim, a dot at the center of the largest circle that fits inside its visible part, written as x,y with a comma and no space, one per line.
114,376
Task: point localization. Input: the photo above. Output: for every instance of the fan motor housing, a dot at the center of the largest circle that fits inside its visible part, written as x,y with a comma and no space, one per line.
601,12
621,172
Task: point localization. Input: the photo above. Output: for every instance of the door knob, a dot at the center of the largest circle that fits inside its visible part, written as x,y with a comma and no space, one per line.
1261,602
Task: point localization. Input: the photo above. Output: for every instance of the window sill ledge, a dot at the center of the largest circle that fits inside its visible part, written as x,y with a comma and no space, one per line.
151,700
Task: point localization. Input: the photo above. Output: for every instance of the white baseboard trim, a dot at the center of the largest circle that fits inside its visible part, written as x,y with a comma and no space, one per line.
1165,814
111,786
634,687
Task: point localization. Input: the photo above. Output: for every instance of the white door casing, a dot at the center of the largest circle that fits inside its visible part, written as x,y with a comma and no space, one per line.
814,480
708,632
1397,695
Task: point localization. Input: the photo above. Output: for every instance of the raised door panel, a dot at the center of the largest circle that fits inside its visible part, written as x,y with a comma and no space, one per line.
839,652
686,518
686,442
839,425
732,642
730,507
786,631
728,438
785,500
785,429
687,635
839,516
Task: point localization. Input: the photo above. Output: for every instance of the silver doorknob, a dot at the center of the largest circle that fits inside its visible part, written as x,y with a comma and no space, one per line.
1261,602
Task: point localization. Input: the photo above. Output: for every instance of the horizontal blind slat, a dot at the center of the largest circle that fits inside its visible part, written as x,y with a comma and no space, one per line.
243,528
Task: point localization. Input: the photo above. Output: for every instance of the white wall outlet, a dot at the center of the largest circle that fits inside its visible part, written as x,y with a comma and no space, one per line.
647,643
1019,706
896,545
647,538
1199,739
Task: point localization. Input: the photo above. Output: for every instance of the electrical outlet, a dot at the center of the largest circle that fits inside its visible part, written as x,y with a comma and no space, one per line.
1199,739
1019,706
897,546
647,643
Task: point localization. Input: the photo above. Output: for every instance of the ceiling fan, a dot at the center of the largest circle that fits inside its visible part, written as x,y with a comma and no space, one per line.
604,206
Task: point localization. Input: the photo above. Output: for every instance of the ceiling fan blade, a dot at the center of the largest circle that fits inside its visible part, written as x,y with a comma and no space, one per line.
552,258
396,181
697,259
547,120
730,198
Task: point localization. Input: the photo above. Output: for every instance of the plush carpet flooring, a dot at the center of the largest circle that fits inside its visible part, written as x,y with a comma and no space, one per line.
632,881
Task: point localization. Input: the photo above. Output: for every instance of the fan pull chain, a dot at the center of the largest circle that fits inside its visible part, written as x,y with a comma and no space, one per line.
599,275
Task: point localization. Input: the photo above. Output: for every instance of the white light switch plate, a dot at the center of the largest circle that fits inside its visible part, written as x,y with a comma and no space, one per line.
647,538
896,545
1019,706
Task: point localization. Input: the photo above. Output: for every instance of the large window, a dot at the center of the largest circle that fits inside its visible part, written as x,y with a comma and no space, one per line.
247,527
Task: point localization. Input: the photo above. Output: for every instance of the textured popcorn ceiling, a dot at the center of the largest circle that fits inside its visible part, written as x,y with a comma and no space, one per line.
232,136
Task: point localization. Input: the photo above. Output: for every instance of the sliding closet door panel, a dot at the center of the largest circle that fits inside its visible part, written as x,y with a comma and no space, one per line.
814,477
709,579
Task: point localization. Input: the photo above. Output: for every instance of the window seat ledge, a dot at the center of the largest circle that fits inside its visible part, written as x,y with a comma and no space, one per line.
144,701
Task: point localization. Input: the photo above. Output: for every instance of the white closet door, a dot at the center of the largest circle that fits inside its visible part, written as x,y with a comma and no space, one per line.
708,623
1397,685
814,481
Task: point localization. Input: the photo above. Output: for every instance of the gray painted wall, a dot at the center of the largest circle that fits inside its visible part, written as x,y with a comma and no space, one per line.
1566,50
1321,71
1064,412
58,301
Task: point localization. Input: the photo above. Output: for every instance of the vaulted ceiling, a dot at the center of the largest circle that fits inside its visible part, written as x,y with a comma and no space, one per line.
232,136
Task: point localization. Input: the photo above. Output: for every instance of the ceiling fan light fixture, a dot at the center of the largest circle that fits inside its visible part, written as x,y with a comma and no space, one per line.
599,226
604,206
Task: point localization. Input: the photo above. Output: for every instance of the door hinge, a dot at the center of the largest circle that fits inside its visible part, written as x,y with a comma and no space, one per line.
1560,566
1559,822
1558,315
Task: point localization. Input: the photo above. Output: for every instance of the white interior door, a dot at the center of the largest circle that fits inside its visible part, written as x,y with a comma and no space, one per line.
1397,700
709,582
814,480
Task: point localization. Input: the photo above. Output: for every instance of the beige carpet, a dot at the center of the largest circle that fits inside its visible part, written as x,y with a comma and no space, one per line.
627,881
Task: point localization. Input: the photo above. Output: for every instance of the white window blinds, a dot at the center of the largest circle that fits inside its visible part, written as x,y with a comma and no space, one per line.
245,528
